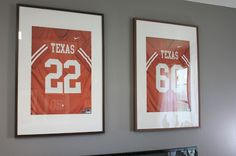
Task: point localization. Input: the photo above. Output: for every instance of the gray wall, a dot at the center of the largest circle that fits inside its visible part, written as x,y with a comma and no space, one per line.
217,40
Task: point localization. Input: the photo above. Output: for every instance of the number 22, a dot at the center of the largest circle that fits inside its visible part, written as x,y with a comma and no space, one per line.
59,88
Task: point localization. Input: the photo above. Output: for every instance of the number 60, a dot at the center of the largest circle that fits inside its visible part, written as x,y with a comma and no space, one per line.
164,88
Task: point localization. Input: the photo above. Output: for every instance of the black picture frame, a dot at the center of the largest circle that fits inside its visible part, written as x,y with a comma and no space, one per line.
159,109
29,123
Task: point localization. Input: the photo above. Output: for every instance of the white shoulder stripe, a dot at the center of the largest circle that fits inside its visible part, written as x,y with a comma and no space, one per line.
36,57
85,54
150,58
38,51
150,62
84,57
185,61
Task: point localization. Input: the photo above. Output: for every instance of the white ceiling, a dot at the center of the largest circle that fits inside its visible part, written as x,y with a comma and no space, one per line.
226,3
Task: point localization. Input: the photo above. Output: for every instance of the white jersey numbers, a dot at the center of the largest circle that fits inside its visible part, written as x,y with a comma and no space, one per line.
163,82
68,77
174,76
50,76
59,72
162,88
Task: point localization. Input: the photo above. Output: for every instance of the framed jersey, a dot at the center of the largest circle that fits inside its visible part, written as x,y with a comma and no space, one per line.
60,71
166,75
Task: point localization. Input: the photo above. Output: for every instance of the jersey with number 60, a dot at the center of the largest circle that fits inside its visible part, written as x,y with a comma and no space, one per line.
168,75
60,71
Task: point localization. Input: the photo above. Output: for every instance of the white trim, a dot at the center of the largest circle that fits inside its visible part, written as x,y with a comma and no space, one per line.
34,59
86,59
85,54
151,61
36,53
185,61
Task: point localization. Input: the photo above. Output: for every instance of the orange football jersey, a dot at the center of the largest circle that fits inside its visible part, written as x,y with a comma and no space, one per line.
60,71
168,75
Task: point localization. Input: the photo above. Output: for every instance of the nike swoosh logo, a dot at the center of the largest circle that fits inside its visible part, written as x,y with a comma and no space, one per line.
76,38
